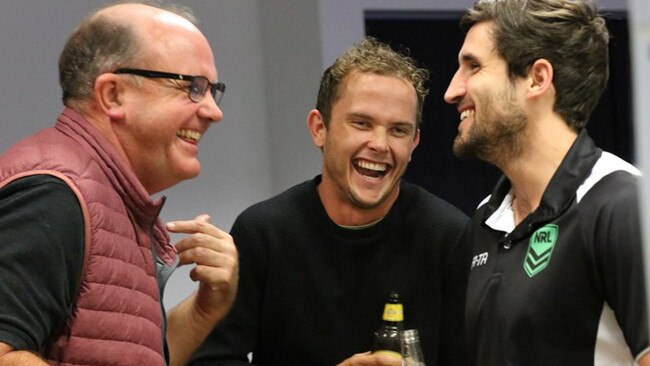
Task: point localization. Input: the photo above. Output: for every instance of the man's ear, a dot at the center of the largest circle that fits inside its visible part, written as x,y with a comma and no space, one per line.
108,93
414,143
540,78
317,127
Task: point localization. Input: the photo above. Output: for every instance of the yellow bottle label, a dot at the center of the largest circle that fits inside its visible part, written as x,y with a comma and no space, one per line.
393,313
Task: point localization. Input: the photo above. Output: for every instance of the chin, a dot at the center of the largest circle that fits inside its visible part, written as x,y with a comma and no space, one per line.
189,170
192,175
369,201
462,148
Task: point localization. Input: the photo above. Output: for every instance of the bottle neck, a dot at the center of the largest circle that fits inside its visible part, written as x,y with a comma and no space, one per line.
393,313
393,325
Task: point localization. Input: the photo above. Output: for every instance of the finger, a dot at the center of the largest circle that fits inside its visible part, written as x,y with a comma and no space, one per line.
360,359
386,360
202,233
201,224
178,226
214,255
224,244
217,278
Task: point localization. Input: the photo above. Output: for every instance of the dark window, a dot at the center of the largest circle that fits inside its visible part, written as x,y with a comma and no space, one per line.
434,39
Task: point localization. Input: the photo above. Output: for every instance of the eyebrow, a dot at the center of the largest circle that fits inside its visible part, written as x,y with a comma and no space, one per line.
358,115
468,57
353,115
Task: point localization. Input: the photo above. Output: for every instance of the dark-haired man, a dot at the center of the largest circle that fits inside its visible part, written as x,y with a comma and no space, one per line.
557,273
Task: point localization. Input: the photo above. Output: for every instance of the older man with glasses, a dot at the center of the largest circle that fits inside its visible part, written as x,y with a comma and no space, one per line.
83,255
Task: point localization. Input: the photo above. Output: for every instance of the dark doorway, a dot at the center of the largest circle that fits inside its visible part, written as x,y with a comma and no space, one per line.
433,39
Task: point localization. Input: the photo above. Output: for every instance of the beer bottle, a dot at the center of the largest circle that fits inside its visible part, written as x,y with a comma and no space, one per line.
387,338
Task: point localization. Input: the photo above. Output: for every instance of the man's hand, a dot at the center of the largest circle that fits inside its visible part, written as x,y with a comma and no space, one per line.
370,359
11,357
214,253
217,270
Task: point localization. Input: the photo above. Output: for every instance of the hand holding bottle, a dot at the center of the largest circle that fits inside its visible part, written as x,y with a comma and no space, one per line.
386,346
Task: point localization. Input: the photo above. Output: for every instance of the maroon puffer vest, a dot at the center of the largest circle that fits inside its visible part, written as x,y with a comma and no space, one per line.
117,318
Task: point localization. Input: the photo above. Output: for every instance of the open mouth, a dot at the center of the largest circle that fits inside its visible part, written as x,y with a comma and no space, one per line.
467,113
189,135
372,170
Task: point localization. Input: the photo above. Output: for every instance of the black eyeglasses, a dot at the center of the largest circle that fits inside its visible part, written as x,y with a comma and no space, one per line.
199,85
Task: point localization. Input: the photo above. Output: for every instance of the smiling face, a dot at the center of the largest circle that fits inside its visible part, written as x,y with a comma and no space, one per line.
492,121
367,143
162,127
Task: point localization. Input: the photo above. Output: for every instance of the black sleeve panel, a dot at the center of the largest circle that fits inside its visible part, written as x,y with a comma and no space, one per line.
618,252
41,255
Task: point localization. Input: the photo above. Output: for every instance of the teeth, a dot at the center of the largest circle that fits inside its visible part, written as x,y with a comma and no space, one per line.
372,166
189,134
466,113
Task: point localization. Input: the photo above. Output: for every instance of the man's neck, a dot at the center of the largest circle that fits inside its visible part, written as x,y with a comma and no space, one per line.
531,173
346,214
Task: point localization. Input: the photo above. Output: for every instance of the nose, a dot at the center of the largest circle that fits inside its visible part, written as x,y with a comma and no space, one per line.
209,110
456,89
378,140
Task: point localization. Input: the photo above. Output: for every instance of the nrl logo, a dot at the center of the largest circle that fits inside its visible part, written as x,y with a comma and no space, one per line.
540,249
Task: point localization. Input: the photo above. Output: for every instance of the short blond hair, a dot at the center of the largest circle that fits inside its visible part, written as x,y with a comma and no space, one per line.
370,56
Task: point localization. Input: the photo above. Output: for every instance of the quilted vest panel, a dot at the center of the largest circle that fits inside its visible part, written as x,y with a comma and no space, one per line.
117,317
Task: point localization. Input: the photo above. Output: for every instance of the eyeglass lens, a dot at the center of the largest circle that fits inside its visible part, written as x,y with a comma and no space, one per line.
199,87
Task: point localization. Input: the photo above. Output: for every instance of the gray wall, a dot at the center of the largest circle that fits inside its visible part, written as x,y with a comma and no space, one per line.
640,34
269,52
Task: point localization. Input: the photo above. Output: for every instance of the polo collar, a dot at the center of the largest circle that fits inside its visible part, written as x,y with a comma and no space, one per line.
557,198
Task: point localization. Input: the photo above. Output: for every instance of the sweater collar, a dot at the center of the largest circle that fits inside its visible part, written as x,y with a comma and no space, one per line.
378,229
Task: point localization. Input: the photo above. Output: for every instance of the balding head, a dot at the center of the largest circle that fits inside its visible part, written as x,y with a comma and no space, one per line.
116,36
148,18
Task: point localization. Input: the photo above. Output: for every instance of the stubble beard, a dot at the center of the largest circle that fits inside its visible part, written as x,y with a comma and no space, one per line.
496,136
